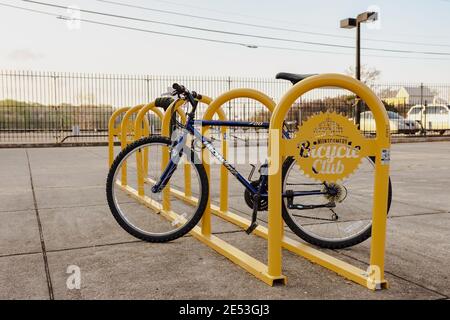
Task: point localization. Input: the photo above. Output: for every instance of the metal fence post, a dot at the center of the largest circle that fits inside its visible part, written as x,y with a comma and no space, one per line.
424,110
57,111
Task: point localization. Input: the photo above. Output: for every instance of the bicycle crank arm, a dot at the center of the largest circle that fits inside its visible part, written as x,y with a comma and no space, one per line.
256,198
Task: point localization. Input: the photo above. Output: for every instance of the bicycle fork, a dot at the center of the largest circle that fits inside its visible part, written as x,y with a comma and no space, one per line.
165,177
176,153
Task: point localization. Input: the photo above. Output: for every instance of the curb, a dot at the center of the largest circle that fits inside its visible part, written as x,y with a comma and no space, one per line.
419,139
104,144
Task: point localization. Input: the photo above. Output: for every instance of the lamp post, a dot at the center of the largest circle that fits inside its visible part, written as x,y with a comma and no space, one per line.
351,23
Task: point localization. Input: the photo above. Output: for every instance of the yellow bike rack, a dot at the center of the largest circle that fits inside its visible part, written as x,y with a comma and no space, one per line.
279,148
203,233
372,278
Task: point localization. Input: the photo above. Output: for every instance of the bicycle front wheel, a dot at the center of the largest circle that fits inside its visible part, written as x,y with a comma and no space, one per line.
334,215
162,216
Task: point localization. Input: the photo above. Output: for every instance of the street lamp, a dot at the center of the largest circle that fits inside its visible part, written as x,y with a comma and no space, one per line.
351,23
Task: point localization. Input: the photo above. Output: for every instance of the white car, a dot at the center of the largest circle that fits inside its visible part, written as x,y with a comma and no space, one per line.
397,123
432,117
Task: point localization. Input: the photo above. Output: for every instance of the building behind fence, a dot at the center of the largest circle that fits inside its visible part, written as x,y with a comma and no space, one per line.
52,107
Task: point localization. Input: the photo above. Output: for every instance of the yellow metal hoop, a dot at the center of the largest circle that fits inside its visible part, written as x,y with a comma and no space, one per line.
380,149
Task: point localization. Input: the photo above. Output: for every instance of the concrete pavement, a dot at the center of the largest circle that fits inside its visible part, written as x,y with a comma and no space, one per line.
54,214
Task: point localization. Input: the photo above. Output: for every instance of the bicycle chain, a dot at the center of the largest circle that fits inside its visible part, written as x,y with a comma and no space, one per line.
315,218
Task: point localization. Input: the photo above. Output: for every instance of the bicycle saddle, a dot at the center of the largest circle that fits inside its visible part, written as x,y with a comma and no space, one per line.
292,77
163,102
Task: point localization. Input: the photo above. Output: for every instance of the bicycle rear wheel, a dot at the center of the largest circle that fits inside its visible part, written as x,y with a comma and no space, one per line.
147,216
345,224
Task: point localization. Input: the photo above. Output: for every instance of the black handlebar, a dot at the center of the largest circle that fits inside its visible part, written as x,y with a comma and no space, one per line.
196,95
179,89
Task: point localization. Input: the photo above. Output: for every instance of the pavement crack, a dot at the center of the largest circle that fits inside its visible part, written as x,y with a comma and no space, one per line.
125,242
444,296
15,211
417,214
19,254
416,205
95,246
41,234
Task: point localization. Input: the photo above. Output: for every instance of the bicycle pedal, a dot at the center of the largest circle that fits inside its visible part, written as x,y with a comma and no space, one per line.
252,227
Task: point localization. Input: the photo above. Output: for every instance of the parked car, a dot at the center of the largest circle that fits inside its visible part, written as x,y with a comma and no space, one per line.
397,123
431,117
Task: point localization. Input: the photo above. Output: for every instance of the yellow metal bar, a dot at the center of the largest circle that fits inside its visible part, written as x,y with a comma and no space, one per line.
140,175
126,128
140,130
187,180
377,248
381,144
215,108
206,218
274,237
224,171
274,254
224,150
114,132
247,262
341,81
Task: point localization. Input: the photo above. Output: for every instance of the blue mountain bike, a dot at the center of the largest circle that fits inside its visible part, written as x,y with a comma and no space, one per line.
329,215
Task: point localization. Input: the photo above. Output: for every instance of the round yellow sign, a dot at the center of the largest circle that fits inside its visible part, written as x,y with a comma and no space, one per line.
329,147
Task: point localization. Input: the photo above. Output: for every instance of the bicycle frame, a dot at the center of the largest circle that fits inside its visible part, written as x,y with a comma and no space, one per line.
190,129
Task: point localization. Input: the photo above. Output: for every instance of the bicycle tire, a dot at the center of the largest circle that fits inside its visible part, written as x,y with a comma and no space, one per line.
134,231
335,244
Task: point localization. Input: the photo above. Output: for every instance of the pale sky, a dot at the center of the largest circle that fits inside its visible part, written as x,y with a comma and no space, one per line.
32,41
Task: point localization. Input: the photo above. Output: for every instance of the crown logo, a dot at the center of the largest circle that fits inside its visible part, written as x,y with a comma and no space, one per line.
328,128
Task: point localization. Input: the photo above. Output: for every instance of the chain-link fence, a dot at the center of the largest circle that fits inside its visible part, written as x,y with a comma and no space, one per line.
53,107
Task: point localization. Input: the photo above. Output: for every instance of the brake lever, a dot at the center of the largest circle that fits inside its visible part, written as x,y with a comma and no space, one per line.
170,93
